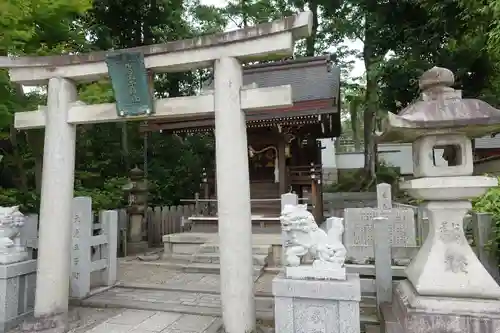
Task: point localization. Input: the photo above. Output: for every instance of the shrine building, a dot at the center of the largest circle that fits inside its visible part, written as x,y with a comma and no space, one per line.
284,153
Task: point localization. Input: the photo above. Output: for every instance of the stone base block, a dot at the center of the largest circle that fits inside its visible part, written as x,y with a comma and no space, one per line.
137,248
327,306
303,272
13,257
413,313
17,293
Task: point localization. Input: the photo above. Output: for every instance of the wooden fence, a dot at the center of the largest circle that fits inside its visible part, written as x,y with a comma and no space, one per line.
335,203
167,220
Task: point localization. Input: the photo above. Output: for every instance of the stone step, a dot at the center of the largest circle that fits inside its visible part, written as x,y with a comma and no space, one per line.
169,301
209,268
391,324
370,328
214,258
368,310
214,248
206,224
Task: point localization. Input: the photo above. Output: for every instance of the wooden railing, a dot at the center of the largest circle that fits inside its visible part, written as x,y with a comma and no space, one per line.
297,174
208,207
303,174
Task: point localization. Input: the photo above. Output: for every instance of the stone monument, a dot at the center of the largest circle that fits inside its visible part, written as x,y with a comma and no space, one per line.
319,297
17,273
137,190
448,289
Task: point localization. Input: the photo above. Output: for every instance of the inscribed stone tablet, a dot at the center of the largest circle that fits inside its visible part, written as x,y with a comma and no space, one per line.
359,230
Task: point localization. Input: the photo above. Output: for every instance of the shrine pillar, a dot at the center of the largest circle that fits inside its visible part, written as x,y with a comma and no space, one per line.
282,165
54,242
233,199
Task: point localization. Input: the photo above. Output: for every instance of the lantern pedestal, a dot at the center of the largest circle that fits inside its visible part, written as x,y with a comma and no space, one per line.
448,289
446,265
414,313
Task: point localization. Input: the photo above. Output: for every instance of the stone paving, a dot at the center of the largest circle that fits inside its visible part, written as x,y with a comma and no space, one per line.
90,320
82,320
134,321
158,276
156,287
169,301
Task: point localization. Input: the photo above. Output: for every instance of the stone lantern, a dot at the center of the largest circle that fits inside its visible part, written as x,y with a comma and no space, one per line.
448,289
137,190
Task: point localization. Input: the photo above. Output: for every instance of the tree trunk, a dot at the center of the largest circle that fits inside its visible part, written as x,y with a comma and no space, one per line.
311,40
35,139
18,159
22,183
353,113
125,147
244,13
371,103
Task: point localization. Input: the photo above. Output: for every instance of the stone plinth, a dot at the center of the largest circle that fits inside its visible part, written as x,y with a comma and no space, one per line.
328,306
13,256
319,270
413,313
17,293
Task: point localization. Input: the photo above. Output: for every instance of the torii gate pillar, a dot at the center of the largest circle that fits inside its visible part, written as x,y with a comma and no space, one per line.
233,199
56,204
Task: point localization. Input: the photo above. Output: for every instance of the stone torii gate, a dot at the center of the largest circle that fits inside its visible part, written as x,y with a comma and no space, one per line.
63,112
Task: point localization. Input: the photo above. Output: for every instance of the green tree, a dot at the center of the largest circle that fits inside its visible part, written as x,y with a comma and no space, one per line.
30,27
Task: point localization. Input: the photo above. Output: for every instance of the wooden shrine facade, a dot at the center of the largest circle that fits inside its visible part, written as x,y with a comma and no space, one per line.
283,149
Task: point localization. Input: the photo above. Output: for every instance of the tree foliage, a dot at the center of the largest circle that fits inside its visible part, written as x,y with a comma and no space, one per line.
401,39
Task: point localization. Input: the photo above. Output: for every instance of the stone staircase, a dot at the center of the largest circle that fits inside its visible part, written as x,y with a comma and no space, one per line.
265,191
207,259
265,209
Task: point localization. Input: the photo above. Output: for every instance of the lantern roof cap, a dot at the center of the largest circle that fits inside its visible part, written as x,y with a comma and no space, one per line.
440,110
136,172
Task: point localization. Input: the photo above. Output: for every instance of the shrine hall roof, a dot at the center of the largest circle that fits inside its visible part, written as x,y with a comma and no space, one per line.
315,87
311,78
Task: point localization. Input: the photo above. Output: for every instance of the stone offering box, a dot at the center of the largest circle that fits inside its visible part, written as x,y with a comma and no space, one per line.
17,293
319,306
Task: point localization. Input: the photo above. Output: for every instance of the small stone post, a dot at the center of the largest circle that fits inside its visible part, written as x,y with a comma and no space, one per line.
287,199
137,207
384,200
